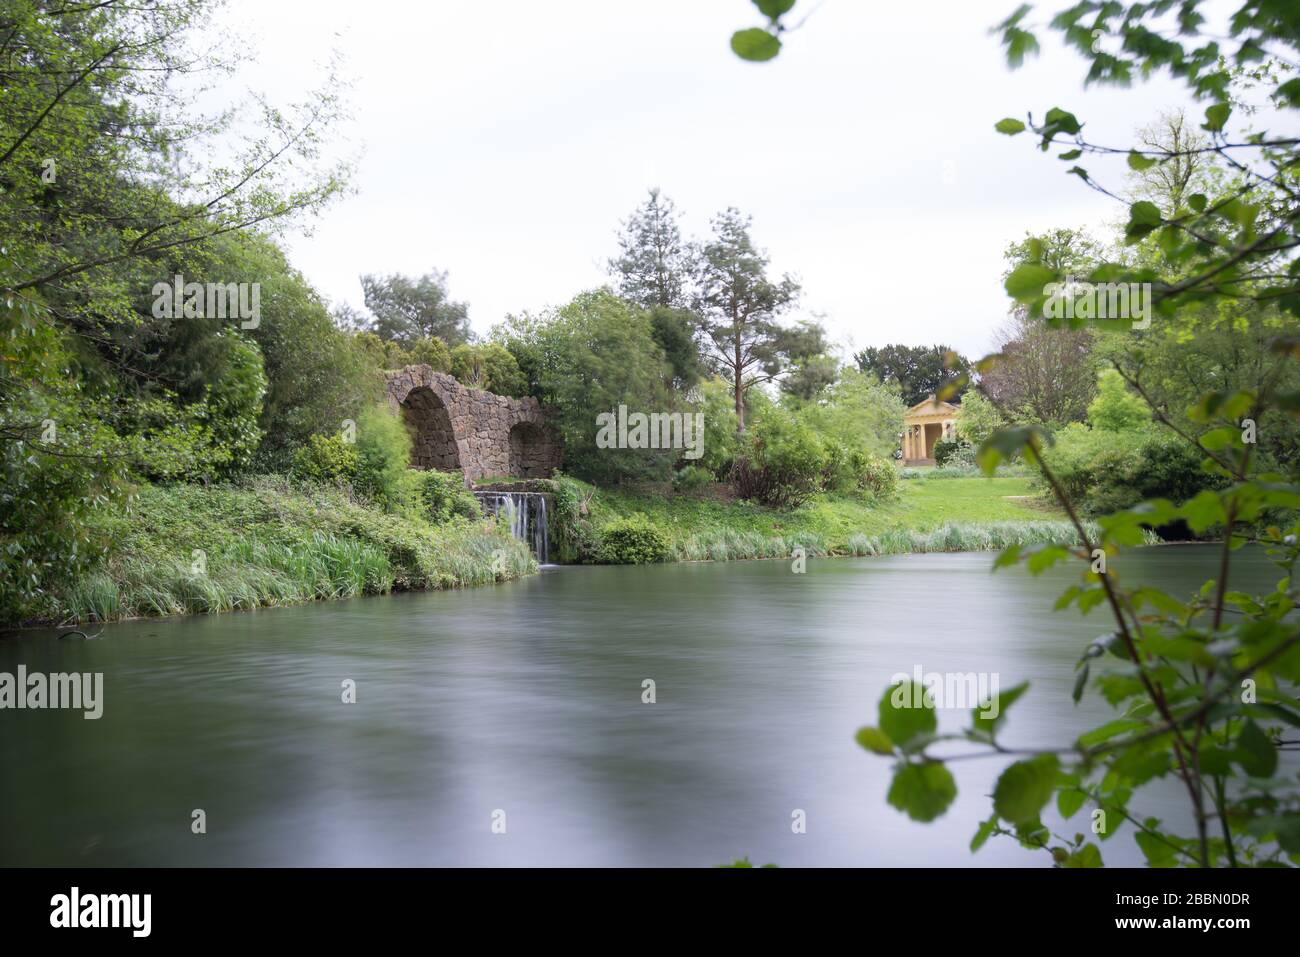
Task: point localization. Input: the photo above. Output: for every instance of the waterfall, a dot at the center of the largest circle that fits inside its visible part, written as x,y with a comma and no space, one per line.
525,513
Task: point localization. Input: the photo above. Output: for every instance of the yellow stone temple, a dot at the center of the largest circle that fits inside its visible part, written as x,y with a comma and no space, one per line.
925,424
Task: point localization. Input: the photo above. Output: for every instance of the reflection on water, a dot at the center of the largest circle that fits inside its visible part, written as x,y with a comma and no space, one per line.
526,698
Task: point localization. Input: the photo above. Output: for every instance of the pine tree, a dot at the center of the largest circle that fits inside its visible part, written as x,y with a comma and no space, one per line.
654,265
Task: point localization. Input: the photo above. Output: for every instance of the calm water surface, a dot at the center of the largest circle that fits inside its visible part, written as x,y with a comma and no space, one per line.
526,698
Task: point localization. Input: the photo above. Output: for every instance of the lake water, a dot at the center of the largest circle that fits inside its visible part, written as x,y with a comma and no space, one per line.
526,698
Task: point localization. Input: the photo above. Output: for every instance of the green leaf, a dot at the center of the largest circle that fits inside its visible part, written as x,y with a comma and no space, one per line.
1143,216
1203,511
907,714
1157,852
1062,121
1009,126
1110,729
1220,438
875,740
923,791
1029,282
1139,162
1087,856
1214,761
1006,444
1044,557
1007,557
1019,44
1255,752
1289,92
755,44
1068,801
982,835
773,9
1005,700
1080,683
1197,201
1025,788
1216,116
1285,828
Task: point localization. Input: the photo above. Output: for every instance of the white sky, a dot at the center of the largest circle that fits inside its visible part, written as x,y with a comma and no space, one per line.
504,140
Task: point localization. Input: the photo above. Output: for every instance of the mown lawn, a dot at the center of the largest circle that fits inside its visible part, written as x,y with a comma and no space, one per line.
839,524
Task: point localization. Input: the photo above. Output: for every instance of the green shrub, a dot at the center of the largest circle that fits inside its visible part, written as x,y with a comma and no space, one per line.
232,405
326,458
634,540
841,468
489,366
443,496
1164,467
432,352
783,465
573,537
717,402
692,478
879,478
383,458
945,449
979,418
1116,409
1105,470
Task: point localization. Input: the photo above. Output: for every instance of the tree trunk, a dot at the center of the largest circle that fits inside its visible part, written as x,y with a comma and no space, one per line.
740,376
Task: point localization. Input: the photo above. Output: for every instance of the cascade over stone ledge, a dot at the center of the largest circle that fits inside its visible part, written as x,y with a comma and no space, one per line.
456,428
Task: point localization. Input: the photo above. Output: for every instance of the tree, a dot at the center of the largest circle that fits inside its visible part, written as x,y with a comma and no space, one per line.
490,367
674,332
811,368
408,309
653,268
919,371
593,355
1043,375
1189,169
858,411
739,308
110,183
1116,409
979,419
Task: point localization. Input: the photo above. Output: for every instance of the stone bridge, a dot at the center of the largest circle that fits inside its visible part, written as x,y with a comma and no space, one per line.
454,427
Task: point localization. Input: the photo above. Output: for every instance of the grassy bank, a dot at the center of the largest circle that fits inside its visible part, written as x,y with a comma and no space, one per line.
926,515
186,549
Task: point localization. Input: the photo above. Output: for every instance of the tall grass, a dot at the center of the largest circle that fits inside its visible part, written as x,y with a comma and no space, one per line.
728,545
272,544
248,574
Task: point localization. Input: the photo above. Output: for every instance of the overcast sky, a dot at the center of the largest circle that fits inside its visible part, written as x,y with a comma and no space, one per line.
504,140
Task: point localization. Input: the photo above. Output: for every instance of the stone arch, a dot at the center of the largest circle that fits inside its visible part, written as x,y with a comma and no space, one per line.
433,440
529,445
477,432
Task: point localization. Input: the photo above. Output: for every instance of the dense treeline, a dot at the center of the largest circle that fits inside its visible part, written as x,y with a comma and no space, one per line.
156,333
